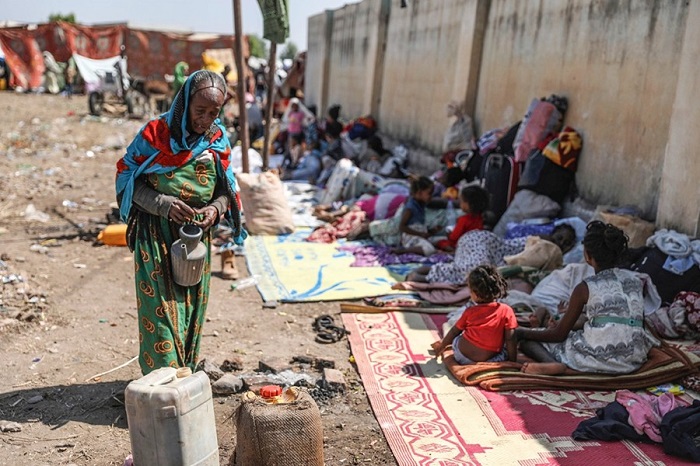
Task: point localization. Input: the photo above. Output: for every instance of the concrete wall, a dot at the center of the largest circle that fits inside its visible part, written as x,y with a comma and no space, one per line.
422,71
317,63
613,60
355,43
679,199
628,67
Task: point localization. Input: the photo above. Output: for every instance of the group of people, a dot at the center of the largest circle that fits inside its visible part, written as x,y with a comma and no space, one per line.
177,172
600,330
313,146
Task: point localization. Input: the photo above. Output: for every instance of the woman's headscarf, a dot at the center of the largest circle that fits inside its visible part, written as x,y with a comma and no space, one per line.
164,144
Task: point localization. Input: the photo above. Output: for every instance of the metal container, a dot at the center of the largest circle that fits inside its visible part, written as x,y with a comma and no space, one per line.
171,419
187,256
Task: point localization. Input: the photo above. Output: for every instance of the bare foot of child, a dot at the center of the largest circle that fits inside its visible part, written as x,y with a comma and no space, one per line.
543,368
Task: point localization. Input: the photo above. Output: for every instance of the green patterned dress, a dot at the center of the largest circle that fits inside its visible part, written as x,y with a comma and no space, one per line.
170,315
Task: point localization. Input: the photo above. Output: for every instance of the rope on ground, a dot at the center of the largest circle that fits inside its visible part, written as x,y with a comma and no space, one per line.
112,370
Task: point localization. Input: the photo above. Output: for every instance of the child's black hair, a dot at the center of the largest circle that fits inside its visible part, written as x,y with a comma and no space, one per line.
477,198
453,176
487,283
421,184
605,243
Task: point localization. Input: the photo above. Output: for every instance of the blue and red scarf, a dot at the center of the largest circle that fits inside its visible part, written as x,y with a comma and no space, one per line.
163,145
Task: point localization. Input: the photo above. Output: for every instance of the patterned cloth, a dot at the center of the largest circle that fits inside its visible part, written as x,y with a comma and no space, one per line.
474,248
565,149
381,256
189,167
608,347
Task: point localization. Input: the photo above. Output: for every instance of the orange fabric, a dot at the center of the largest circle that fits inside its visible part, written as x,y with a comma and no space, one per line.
483,325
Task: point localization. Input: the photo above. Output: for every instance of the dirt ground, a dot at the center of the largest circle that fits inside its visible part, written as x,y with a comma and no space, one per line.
68,310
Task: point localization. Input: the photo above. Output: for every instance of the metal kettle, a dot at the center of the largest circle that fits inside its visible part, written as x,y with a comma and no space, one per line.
188,255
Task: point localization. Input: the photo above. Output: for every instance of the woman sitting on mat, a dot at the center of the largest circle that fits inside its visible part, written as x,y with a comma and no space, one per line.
613,339
485,331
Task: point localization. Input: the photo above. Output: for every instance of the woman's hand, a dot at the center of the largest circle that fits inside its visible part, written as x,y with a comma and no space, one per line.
180,212
209,217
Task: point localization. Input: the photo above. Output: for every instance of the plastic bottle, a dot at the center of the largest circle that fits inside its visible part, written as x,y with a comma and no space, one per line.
451,215
245,283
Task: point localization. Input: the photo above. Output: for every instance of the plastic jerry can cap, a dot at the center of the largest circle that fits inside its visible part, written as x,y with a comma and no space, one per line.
183,372
270,391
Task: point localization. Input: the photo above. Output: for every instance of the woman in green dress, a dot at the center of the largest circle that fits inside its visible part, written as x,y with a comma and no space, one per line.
176,171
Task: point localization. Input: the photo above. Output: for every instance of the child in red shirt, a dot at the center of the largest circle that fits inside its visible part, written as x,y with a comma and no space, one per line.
473,200
485,332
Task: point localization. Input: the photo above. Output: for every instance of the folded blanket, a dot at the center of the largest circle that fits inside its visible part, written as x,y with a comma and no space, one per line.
665,364
362,308
438,293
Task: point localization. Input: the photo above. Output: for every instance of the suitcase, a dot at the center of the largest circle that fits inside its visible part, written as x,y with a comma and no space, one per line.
500,178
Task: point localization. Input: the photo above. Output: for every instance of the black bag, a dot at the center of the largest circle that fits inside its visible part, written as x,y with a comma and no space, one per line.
471,163
500,178
680,432
543,176
651,262
505,144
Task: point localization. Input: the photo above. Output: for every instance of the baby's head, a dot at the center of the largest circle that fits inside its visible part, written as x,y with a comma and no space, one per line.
475,199
422,188
564,236
486,284
604,243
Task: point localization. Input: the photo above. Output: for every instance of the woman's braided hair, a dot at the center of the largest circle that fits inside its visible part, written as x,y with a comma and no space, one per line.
487,283
605,243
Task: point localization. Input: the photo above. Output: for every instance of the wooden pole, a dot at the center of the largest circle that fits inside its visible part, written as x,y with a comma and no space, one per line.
272,61
240,86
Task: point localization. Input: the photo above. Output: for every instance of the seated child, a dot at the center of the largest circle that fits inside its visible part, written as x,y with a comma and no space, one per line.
613,339
296,149
484,332
309,167
473,200
414,232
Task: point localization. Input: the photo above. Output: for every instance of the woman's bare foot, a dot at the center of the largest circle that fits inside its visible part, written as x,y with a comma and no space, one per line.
543,368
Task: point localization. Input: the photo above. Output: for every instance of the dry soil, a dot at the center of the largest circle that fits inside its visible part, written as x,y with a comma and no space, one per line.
68,309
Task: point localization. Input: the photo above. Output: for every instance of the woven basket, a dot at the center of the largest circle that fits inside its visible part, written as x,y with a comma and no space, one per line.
282,434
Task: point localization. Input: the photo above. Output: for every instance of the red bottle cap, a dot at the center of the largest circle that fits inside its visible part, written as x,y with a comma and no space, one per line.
270,391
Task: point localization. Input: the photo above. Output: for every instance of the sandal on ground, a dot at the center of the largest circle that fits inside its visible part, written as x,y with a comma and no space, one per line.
328,336
322,322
